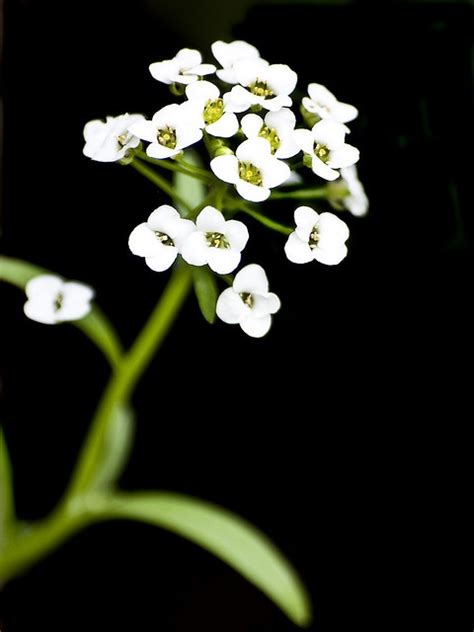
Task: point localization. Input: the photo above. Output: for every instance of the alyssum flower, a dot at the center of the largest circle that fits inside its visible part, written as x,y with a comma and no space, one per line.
110,140
171,129
278,129
317,237
325,145
253,169
212,110
52,300
248,302
324,104
228,54
160,238
348,193
215,241
185,67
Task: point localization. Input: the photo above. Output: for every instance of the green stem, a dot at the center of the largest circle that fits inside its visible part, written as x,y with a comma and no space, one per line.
193,170
302,194
159,181
179,166
135,361
266,221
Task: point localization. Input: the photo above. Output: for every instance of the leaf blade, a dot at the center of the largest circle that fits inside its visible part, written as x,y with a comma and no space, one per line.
205,288
7,504
192,190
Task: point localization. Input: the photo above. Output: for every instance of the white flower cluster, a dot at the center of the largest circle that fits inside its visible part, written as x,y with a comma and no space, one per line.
254,142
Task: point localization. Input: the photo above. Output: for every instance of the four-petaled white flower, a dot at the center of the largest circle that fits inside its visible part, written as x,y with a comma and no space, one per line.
278,129
160,238
321,237
324,104
253,169
248,302
171,129
110,140
211,109
216,242
52,300
262,84
327,149
186,67
228,54
348,193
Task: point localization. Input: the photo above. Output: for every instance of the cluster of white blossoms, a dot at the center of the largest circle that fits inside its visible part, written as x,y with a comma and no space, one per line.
240,107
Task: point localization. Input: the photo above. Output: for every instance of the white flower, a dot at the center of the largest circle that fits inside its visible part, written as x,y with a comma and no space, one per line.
325,144
216,242
323,103
321,237
248,302
348,193
228,54
253,169
262,84
52,300
278,129
171,129
185,67
211,109
110,140
160,238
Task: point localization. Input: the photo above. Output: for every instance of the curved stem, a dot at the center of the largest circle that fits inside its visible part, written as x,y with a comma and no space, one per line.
159,181
179,166
135,361
302,194
266,221
192,170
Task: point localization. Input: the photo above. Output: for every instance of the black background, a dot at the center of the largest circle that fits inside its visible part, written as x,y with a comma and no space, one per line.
340,434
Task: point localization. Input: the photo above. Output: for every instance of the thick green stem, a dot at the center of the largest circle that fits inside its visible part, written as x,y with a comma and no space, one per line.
159,181
177,165
301,194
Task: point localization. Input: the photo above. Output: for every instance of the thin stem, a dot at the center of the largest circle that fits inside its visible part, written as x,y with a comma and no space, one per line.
266,221
193,170
159,181
178,166
301,194
135,361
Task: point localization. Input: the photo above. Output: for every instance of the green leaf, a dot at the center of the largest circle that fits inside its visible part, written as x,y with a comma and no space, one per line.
205,287
115,448
7,507
227,536
95,325
190,189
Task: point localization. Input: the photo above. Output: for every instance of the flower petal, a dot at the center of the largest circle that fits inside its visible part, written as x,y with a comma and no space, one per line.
329,133
160,152
188,58
305,219
78,291
161,216
283,120
143,242
225,127
251,279
230,308
305,140
223,260
164,258
202,91
321,95
203,69
323,170
41,311
344,156
298,251
210,220
194,249
265,304
330,256
252,192
44,285
146,130
253,150
332,228
226,168
251,125
281,78
344,113
256,327
274,172
237,234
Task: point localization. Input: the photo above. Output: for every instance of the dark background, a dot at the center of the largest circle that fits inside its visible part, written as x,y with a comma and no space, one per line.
351,457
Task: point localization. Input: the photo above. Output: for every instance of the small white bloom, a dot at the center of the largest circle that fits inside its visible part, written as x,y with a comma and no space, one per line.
186,67
262,84
109,141
248,302
216,242
321,237
52,300
323,103
212,110
171,129
348,193
325,144
253,169
278,129
160,238
228,54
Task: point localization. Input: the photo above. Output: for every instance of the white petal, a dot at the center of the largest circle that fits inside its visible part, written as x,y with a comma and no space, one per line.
202,91
145,130
283,120
282,79
251,279
277,103
251,150
238,99
180,231
225,127
223,260
44,285
166,115
226,168
194,249
330,256
288,147
265,304
251,192
210,220
160,152
305,219
228,53
187,135
237,234
143,241
321,95
161,216
41,311
344,156
333,228
188,58
274,172
163,259
256,327
78,291
344,113
203,69
251,125
323,170
230,308
163,70
72,308
305,140
248,71
329,133
298,251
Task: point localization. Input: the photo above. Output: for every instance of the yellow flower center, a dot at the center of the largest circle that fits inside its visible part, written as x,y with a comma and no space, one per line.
322,152
167,137
164,238
217,240
213,111
261,89
271,135
250,173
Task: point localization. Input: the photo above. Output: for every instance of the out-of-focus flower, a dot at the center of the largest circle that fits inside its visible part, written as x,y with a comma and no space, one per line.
110,140
52,300
185,67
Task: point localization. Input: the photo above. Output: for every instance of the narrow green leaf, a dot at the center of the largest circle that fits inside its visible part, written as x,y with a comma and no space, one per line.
95,325
116,448
7,507
225,535
192,190
205,287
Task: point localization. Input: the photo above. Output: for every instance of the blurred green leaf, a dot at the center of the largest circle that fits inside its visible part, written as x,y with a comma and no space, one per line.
7,508
205,287
191,189
95,325
227,536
